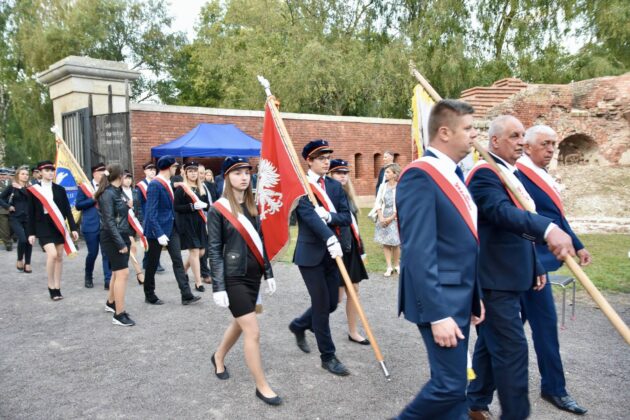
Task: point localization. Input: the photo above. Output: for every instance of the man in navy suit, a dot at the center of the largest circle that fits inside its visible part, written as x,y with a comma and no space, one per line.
91,229
160,230
438,288
315,253
142,188
508,267
538,307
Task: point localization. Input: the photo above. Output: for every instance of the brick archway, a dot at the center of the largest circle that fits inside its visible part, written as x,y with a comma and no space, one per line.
577,149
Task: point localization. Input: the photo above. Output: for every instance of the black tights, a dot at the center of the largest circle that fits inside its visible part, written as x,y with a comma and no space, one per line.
24,249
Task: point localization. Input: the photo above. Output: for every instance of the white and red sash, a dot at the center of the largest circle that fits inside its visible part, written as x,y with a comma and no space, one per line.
355,232
57,218
142,186
244,227
516,183
542,179
88,189
195,199
324,200
166,185
136,225
453,187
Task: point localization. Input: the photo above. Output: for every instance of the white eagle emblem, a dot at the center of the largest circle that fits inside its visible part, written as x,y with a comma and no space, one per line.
269,200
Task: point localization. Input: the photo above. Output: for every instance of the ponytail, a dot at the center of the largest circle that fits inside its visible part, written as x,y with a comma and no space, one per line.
112,173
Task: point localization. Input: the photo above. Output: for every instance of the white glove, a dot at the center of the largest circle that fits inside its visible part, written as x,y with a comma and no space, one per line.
200,205
271,286
221,299
163,240
323,214
334,247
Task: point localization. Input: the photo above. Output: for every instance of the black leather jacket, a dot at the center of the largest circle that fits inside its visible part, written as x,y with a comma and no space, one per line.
113,208
228,250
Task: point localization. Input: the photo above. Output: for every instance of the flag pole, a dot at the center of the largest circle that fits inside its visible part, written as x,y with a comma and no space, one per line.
342,268
61,143
577,271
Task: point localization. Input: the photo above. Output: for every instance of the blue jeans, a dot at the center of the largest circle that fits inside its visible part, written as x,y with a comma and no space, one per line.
92,240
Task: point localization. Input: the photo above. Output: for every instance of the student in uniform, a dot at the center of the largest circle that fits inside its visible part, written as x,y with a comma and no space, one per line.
133,201
48,211
238,260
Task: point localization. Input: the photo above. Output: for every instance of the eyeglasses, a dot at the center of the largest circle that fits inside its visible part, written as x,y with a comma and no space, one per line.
323,158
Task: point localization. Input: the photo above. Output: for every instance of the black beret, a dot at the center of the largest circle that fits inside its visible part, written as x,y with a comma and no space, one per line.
166,162
316,146
98,167
148,165
234,162
191,165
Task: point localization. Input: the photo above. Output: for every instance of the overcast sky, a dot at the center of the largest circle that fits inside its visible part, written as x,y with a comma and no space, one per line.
185,13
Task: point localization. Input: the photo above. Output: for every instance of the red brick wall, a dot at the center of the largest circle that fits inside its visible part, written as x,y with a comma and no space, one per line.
348,138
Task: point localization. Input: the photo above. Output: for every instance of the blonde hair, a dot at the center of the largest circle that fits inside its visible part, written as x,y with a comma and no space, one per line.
16,176
395,168
228,192
352,195
199,184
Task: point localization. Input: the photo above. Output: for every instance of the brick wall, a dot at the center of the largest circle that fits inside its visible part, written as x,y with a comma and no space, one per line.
361,140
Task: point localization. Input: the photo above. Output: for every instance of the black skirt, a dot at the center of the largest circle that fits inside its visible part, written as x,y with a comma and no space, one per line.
243,291
354,264
52,234
117,261
192,231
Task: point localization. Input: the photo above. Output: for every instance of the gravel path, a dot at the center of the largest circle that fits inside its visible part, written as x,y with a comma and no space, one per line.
65,360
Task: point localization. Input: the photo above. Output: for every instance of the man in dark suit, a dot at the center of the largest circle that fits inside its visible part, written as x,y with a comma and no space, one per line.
160,230
538,307
91,228
388,159
508,267
438,289
142,188
317,247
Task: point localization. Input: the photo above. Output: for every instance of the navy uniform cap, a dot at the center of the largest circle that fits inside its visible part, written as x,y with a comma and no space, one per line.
166,162
98,167
314,147
34,168
234,162
148,165
191,165
45,164
127,174
339,165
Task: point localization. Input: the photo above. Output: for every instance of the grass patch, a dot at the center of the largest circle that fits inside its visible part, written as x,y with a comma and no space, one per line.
610,270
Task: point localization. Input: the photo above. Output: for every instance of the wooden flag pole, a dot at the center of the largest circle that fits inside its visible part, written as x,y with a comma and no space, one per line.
61,142
288,144
577,271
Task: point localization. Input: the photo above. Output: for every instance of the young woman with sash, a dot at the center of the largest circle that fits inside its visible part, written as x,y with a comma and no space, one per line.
353,250
48,211
115,232
238,261
191,202
135,222
15,199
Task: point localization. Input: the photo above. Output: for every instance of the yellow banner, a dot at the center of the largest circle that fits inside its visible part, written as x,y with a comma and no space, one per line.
421,105
69,174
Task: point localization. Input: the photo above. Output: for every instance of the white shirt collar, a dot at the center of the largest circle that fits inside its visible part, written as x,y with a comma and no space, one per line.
313,177
512,168
447,161
94,183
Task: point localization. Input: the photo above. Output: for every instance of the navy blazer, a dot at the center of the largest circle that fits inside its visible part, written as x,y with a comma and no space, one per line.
311,249
158,214
507,256
439,254
546,207
90,218
143,201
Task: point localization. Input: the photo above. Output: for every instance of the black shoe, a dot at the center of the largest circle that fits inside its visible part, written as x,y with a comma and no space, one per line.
364,342
223,375
335,367
200,288
271,401
57,294
123,320
88,283
154,300
190,300
106,286
53,293
300,340
110,307
566,403
160,269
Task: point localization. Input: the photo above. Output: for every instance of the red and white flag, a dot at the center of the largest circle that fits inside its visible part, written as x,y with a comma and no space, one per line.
279,185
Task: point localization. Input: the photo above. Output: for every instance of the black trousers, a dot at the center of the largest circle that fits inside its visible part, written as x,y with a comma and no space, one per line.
24,248
153,259
204,263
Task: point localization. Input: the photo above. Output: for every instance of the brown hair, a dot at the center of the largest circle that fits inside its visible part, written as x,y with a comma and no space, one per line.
114,172
250,203
395,168
443,114
16,177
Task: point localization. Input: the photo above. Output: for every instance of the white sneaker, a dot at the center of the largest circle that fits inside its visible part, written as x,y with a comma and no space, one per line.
388,272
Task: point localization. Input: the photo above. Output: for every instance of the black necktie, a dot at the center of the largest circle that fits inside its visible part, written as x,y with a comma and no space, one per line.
459,173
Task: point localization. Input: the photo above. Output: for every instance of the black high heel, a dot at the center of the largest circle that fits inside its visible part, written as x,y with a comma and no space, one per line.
223,375
138,278
58,294
271,401
53,293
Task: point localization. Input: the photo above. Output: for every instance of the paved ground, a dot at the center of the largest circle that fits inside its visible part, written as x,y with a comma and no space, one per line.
66,360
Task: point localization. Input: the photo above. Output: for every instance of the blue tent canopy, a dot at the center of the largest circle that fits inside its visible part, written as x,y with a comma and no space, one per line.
210,140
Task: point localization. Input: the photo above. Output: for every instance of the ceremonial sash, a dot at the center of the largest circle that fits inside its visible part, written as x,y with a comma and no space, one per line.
545,183
165,185
195,199
86,187
511,177
136,225
324,200
452,187
57,218
142,186
244,227
355,232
